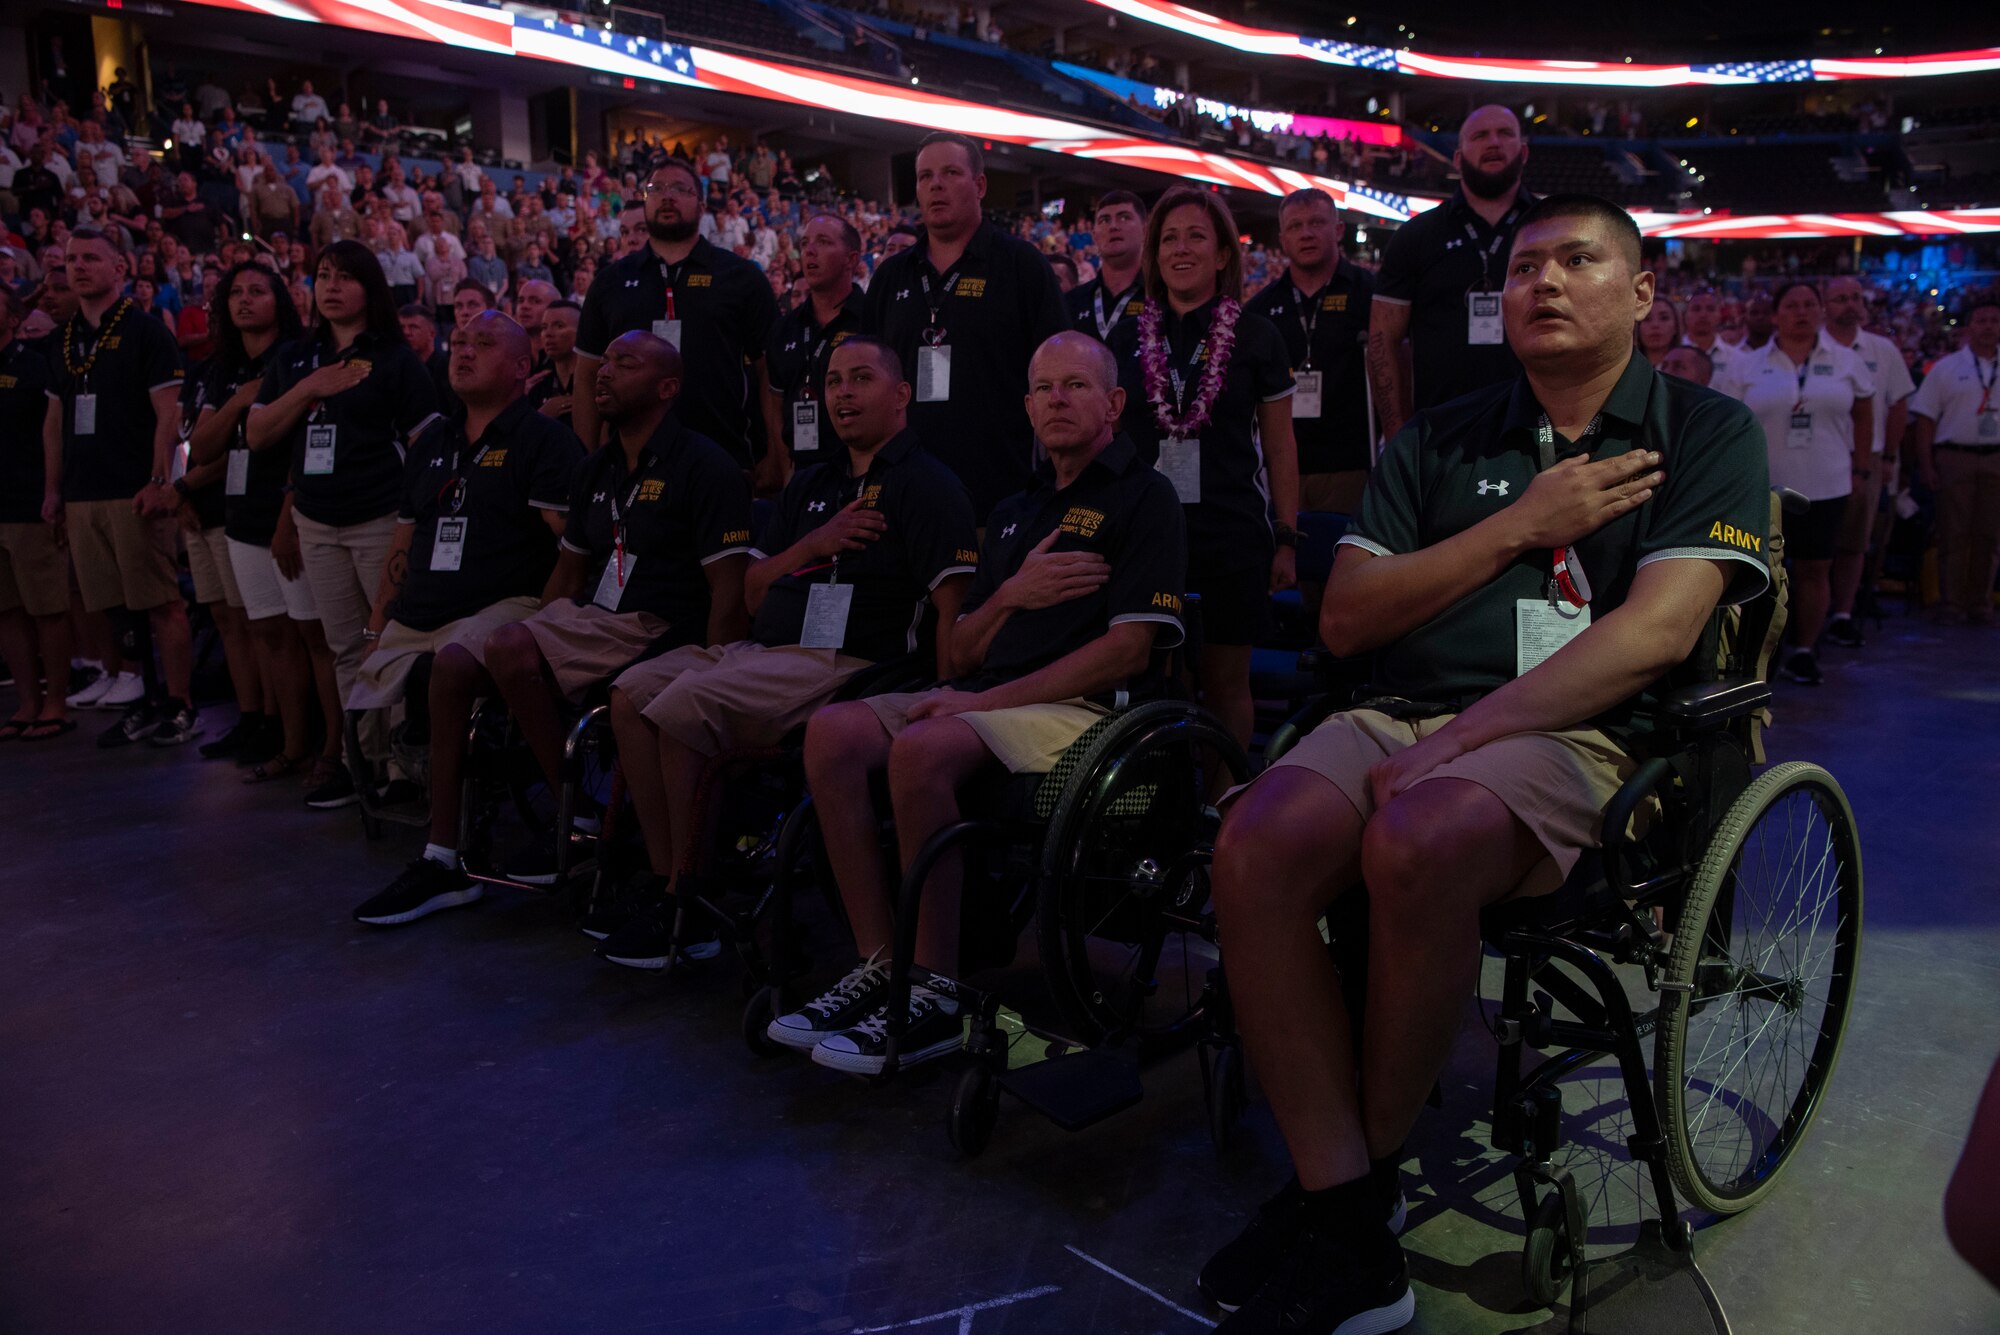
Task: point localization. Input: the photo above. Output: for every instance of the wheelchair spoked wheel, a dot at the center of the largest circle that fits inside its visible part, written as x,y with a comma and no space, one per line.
1123,918
1759,985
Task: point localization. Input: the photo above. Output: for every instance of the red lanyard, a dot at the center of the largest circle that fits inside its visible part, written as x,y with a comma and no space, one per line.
1566,567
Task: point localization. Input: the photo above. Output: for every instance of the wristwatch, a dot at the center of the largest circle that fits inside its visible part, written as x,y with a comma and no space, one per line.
181,487
1286,535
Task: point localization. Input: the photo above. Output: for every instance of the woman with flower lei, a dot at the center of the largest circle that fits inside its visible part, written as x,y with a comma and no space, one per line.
1206,385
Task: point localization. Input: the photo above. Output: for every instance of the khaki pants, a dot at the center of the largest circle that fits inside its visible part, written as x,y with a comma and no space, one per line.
344,567
1968,521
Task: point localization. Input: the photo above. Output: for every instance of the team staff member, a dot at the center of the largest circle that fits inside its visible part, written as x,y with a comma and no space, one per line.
1322,308
552,390
419,328
868,558
34,580
107,443
1115,296
484,502
1958,458
1703,316
716,309
1078,576
254,320
344,402
1206,385
965,308
1846,309
1497,786
804,339
1441,275
1816,402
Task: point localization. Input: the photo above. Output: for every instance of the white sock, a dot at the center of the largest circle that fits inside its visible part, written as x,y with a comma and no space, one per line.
439,853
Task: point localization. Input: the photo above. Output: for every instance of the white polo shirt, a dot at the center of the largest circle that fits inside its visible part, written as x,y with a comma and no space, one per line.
1719,357
1962,395
1807,412
1887,369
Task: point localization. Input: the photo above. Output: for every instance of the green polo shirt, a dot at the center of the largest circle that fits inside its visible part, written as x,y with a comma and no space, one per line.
1459,464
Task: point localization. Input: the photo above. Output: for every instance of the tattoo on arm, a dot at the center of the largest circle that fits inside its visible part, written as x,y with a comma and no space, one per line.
398,569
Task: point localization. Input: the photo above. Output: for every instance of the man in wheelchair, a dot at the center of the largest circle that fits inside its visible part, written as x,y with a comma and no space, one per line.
653,553
1077,578
867,559
1528,561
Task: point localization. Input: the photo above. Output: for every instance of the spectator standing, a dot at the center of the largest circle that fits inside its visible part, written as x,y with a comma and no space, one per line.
1958,457
1846,309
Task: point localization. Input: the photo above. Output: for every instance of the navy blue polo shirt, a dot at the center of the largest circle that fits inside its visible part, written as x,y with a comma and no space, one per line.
371,421
997,305
1230,529
1454,467
521,466
121,362
24,407
686,505
1431,262
1100,315
930,537
1118,507
253,516
1340,439
796,362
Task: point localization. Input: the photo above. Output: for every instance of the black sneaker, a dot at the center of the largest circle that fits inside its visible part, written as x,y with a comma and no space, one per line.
1235,1273
1331,1282
336,792
841,1006
399,793
1845,632
248,728
424,888
136,724
1802,665
933,1031
645,940
177,726
531,866
620,902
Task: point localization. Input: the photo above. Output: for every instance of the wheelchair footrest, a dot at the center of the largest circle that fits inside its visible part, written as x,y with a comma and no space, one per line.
1648,1289
1079,1089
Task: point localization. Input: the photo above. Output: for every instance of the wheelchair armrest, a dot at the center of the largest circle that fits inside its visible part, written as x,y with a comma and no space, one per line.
1710,704
1287,734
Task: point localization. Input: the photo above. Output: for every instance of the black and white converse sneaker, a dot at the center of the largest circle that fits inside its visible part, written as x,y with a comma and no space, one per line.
425,887
846,1003
1235,1273
1335,1280
934,1030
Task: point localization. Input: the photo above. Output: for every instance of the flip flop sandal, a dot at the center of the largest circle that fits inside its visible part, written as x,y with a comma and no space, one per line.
43,730
275,768
14,727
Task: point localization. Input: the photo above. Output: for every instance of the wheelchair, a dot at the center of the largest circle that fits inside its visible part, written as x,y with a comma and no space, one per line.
1737,895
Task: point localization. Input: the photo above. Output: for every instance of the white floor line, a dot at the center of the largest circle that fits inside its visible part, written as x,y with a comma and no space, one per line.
1156,1296
965,1313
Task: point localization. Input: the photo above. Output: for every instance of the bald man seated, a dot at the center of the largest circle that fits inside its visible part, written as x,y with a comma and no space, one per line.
1080,576
655,538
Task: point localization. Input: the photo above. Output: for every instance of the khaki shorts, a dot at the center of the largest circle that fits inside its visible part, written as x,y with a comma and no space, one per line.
738,696
586,644
1333,493
378,684
266,592
1857,525
33,576
208,562
1027,739
121,559
1556,783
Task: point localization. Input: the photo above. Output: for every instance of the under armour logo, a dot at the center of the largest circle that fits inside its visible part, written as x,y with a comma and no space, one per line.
631,282
596,496
903,294
1008,531
816,507
1496,488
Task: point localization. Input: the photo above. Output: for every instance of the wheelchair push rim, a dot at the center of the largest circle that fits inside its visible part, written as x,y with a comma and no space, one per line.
1759,986
1125,928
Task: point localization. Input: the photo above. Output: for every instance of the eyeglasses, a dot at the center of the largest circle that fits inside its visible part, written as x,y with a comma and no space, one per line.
675,187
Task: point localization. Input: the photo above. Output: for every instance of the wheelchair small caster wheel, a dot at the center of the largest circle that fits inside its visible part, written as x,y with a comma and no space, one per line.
758,1012
1226,1097
1545,1255
975,1107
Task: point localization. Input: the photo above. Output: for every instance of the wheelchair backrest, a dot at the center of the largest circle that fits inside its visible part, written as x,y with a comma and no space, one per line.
1740,642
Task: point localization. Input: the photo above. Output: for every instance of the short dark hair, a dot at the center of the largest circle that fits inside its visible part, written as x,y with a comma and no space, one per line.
974,159
566,305
1594,207
415,310
848,236
904,229
474,285
1113,198
885,356
1312,194
1784,290
1980,301
1067,263
670,164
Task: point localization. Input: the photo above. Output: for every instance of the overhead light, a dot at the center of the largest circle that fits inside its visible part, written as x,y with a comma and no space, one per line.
913,79
167,144
1373,105
1693,121
1352,20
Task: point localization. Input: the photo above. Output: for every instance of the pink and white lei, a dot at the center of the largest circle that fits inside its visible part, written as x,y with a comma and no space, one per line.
1153,353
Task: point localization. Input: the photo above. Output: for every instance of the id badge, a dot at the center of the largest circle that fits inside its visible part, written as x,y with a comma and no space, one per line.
1180,460
238,481
934,374
1540,629
86,414
827,606
1798,436
610,588
1306,398
670,330
1482,319
319,449
1989,425
805,427
448,551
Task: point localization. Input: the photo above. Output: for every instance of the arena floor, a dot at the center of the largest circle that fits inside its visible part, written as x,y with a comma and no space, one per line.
229,1110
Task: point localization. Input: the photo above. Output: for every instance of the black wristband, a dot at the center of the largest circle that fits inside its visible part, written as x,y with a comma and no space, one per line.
1286,535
